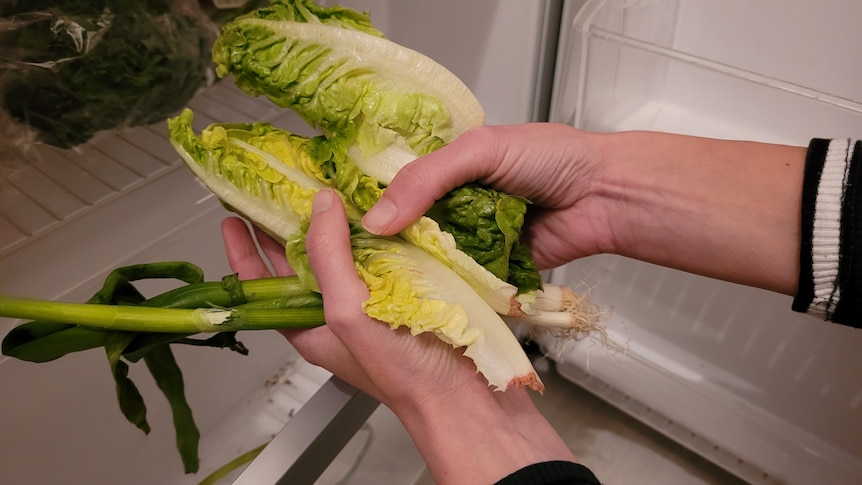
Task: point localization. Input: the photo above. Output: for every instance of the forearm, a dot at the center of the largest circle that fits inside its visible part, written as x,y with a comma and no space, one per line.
723,209
482,436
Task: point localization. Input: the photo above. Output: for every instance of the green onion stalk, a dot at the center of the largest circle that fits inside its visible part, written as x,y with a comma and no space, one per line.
131,327
163,320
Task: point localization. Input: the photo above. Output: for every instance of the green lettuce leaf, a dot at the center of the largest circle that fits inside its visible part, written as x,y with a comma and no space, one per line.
325,159
407,285
275,195
486,224
306,11
386,103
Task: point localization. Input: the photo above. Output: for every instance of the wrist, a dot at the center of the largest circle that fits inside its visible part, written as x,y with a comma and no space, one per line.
480,436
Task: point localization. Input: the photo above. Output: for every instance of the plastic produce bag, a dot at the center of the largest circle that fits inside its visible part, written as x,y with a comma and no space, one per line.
72,68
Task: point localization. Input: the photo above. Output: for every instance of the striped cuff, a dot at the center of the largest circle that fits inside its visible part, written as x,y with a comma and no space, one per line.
830,277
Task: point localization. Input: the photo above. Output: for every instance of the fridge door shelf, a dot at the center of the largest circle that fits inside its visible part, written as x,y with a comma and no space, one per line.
728,371
700,67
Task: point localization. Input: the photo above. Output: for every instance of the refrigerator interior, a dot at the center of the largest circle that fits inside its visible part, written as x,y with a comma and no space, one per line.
726,370
70,216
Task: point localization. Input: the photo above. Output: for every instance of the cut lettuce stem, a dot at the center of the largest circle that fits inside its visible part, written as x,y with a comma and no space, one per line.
559,307
563,320
556,298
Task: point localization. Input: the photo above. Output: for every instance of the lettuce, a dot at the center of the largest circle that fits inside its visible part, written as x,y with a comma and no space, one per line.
384,102
407,285
379,106
456,272
485,223
76,67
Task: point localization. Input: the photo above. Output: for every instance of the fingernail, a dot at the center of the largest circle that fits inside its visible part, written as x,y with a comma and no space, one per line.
380,216
322,201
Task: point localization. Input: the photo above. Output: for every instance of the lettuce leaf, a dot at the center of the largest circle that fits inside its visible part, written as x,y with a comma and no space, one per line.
386,103
486,224
407,285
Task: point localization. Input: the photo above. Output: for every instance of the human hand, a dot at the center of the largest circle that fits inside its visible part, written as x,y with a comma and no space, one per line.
554,166
391,366
720,208
466,432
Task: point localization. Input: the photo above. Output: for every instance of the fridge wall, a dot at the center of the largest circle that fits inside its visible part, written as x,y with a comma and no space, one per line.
727,370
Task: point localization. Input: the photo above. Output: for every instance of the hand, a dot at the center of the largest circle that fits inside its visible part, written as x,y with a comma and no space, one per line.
554,166
353,346
465,432
720,208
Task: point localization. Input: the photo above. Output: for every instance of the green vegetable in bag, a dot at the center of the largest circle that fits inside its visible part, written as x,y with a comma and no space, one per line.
73,68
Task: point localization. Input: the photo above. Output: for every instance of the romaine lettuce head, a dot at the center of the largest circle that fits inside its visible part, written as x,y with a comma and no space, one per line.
407,286
481,223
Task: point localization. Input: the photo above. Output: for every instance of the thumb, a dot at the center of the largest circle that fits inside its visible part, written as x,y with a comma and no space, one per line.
328,243
411,193
329,252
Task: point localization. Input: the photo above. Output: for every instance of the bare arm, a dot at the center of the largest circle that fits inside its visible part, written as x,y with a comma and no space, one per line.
724,209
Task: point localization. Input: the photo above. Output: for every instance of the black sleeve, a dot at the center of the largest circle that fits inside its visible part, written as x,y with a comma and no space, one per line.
552,473
830,276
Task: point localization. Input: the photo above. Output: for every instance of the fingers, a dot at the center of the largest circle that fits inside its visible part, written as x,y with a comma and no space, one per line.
319,346
415,187
241,250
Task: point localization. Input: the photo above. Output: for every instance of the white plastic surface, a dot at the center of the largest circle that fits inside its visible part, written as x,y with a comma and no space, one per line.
729,371
67,220
125,198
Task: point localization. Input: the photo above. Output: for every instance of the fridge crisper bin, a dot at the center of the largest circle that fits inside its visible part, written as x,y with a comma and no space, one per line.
727,370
